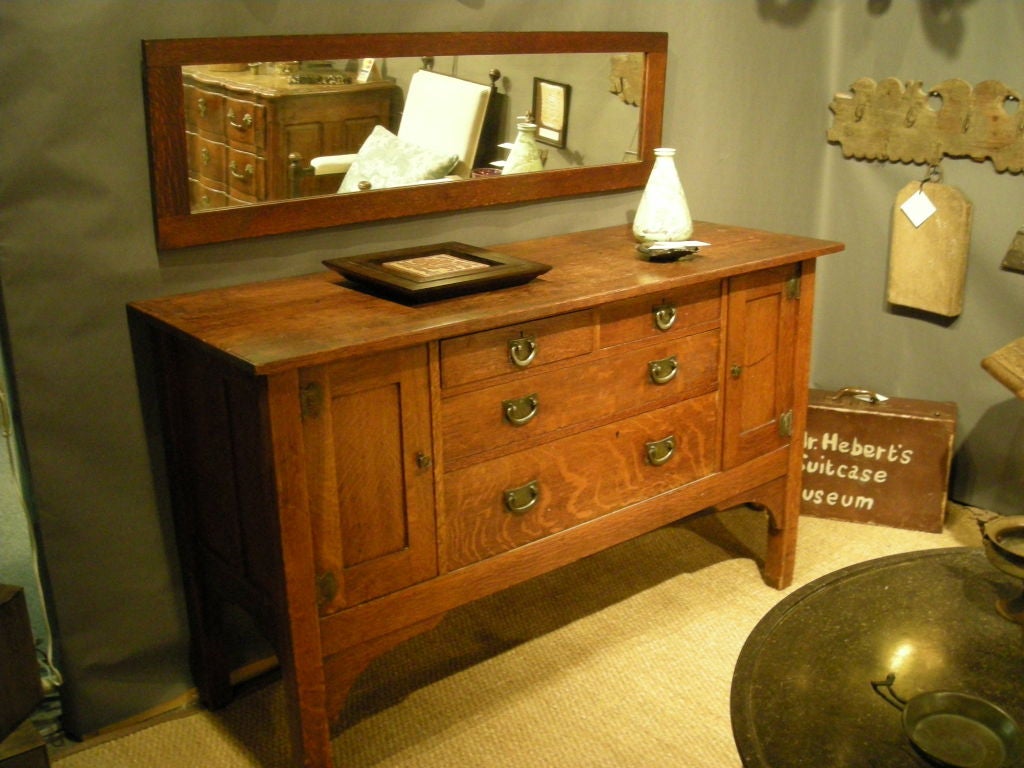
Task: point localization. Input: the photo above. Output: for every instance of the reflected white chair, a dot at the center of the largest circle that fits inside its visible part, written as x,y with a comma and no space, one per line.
442,113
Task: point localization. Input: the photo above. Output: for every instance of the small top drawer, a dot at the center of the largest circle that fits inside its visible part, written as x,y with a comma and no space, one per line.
245,124
528,346
679,311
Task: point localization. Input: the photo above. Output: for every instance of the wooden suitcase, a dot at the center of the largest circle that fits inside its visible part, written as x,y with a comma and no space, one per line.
869,459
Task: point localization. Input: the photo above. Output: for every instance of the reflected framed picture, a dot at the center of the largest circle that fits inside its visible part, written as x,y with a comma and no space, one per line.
551,110
439,271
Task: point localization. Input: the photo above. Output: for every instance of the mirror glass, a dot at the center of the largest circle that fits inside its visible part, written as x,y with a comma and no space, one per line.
240,135
322,108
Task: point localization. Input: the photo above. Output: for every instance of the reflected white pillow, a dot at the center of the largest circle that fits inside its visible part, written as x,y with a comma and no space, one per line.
385,160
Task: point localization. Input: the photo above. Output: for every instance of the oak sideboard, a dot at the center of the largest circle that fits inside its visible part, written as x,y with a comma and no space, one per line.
348,468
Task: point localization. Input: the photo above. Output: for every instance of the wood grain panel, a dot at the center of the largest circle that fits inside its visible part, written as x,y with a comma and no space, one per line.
587,393
580,478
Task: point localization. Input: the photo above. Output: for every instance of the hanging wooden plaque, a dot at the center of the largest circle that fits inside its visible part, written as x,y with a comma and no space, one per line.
928,263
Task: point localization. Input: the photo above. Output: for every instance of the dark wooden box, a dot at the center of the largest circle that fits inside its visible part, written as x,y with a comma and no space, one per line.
24,748
877,461
20,687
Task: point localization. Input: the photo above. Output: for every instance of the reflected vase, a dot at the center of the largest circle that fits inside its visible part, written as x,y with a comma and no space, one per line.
524,156
663,214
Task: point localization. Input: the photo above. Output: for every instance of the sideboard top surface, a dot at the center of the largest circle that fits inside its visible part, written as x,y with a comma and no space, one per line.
277,325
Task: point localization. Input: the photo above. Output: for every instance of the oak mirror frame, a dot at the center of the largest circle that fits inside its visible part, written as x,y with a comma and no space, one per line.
178,225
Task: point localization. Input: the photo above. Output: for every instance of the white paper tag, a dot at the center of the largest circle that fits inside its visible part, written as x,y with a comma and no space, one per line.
918,208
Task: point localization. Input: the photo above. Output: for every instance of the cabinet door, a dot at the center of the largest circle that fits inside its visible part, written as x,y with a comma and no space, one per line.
366,425
760,356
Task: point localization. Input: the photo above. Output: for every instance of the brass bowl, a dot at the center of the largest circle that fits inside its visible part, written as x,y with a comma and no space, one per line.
1003,539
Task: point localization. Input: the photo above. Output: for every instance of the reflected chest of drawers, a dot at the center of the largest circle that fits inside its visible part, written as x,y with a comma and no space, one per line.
348,468
240,129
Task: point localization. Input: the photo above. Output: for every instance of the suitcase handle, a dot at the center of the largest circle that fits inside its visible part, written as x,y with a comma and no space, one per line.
867,395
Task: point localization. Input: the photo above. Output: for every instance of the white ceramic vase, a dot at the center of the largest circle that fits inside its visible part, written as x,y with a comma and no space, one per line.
524,156
663,213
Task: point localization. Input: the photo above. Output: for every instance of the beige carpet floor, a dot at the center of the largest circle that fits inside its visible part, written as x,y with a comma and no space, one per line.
624,659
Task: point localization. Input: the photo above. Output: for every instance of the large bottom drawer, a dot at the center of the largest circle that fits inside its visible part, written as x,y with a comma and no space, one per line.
496,505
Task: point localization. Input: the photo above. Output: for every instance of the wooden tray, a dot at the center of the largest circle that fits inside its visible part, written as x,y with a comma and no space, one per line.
438,271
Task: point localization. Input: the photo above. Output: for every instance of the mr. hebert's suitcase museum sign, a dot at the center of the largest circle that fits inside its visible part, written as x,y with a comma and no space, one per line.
877,461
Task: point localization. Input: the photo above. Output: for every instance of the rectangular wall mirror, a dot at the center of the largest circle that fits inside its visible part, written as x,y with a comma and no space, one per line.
245,133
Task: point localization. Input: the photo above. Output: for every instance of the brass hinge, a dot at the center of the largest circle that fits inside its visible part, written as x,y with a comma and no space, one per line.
786,424
311,400
326,588
793,287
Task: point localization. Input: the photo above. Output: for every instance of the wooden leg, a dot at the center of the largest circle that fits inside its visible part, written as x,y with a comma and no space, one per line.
780,558
208,651
776,498
783,516
342,669
303,678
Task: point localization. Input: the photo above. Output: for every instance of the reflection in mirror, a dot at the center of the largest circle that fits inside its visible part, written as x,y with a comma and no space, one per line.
282,140
260,131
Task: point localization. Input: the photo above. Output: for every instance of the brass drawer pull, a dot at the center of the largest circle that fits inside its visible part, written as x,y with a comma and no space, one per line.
660,451
520,410
204,156
664,317
247,174
663,371
201,106
246,123
519,500
521,351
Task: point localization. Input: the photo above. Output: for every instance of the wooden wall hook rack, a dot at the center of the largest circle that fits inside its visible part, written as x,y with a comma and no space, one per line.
898,122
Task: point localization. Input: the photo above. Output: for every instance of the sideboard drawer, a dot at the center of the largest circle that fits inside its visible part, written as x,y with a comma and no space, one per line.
515,348
496,505
589,392
202,198
246,176
212,156
245,124
675,312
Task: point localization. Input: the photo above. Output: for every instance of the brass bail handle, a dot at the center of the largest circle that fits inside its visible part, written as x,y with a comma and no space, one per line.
521,410
520,500
867,395
522,350
663,371
660,451
664,316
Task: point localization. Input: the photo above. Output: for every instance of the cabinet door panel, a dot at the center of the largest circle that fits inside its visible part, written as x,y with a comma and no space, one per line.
760,349
367,432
